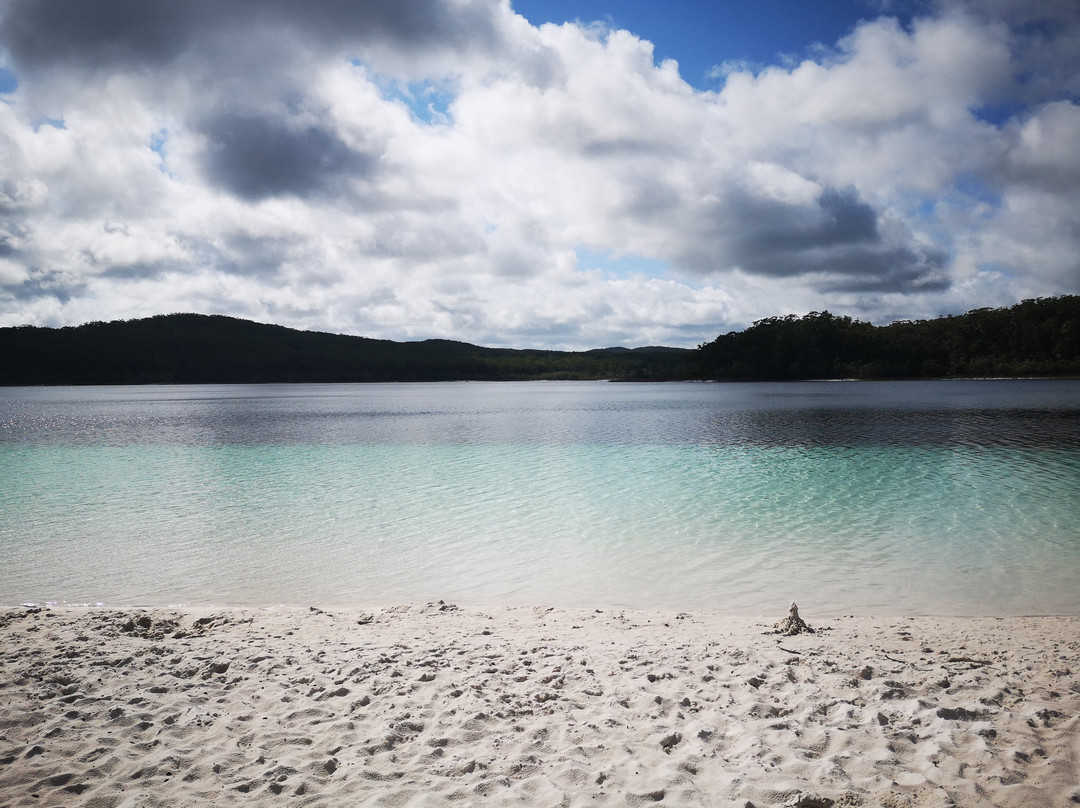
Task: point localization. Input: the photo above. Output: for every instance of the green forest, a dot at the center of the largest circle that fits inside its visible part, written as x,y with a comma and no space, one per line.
1034,338
197,349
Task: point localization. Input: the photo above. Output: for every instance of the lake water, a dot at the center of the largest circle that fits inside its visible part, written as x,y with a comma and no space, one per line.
868,498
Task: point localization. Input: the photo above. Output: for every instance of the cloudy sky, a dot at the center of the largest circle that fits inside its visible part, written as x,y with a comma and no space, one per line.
536,174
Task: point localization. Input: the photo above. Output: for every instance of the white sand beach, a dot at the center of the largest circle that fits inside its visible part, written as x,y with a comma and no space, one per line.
431,705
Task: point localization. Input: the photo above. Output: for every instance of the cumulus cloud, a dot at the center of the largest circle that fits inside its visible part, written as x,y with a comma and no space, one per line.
440,167
130,34
256,157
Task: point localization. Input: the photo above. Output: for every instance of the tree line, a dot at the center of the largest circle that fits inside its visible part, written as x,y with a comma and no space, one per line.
202,349
1039,337
1034,338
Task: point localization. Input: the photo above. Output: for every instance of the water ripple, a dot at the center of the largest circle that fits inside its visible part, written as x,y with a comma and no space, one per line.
649,496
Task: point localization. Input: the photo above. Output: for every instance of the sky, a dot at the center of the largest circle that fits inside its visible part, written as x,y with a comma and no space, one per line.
538,173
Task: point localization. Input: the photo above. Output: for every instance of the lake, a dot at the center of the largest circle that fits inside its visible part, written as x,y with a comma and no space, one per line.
950,497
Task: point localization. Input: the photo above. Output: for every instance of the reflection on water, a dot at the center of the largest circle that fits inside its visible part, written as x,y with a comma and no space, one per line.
1047,429
894,497
1022,414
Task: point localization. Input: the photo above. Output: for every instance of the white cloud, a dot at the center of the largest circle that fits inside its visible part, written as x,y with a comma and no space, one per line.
290,170
1044,152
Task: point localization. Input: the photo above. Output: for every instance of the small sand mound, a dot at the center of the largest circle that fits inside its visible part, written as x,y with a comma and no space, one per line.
792,624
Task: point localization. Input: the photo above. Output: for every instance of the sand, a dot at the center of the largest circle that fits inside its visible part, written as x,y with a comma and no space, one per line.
431,705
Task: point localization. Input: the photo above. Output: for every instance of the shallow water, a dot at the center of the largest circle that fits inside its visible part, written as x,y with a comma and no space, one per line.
929,497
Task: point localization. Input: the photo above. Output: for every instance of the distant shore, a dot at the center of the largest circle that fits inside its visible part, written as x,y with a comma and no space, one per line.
1034,338
436,705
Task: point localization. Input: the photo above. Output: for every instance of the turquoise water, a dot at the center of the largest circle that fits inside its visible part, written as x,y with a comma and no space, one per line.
963,498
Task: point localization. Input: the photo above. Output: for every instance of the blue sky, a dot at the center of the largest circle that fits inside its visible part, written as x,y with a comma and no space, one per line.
702,35
460,169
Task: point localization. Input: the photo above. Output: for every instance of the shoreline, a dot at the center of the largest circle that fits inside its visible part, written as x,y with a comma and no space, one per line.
432,704
487,607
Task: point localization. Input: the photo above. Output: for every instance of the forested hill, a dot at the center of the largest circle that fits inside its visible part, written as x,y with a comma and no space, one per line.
195,349
1034,338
